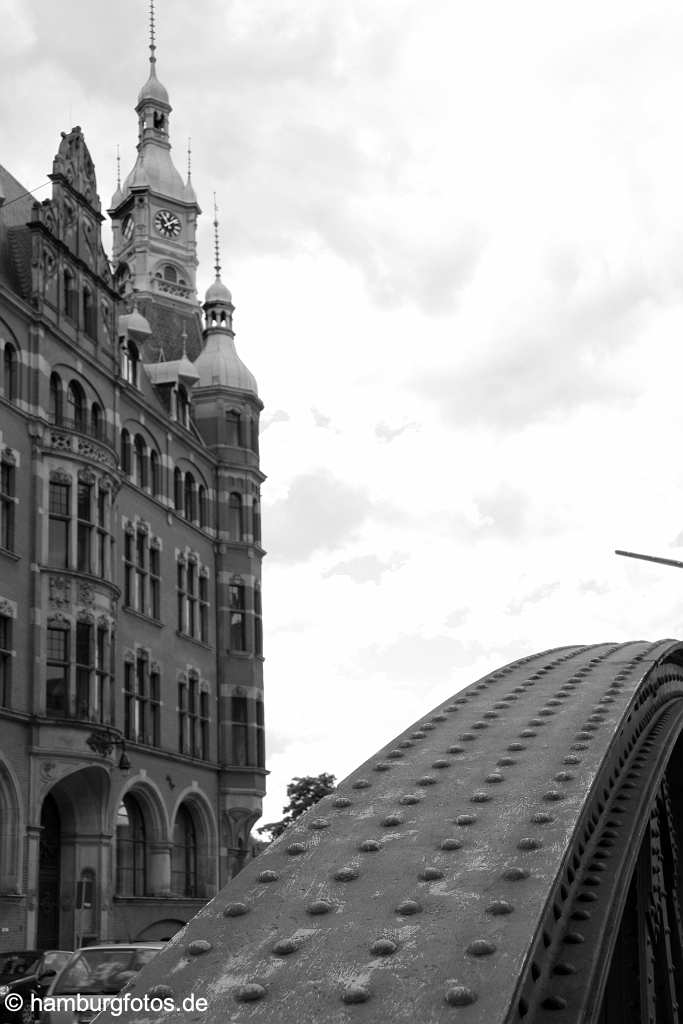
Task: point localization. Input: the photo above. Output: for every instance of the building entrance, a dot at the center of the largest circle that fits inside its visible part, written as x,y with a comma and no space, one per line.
49,876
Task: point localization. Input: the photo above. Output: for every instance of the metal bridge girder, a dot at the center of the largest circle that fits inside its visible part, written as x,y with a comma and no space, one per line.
512,857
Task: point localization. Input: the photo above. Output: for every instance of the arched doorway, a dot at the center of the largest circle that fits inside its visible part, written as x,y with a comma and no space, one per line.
49,875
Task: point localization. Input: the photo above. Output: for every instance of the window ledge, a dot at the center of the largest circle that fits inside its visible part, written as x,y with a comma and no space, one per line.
244,655
12,555
194,640
141,615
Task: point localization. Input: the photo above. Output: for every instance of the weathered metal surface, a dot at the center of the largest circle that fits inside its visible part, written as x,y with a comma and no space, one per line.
476,869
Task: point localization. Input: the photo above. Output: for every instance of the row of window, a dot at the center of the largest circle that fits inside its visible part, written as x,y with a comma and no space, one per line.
79,306
75,413
133,854
93,539
8,501
10,373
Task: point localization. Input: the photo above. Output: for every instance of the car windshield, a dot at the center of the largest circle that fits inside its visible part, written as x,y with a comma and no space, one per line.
16,965
55,961
103,970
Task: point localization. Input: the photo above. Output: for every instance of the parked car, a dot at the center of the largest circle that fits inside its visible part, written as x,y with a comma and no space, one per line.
96,973
26,972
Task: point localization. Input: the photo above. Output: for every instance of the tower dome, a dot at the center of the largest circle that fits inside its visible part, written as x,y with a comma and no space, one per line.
153,89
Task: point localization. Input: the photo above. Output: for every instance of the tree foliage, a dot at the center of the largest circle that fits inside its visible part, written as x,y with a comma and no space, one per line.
303,792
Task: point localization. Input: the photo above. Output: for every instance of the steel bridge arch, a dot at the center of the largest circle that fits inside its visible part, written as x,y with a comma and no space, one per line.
510,858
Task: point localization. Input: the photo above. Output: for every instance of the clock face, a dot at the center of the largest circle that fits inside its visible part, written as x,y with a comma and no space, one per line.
167,224
127,227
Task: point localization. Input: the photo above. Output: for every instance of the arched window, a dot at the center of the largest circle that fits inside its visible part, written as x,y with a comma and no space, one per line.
140,461
96,420
131,849
235,524
70,308
233,429
201,501
256,512
184,858
89,313
155,473
125,452
56,409
10,376
183,406
178,489
75,398
238,624
190,510
170,274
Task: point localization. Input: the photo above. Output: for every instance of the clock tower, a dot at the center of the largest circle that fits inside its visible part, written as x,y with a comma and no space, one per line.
154,223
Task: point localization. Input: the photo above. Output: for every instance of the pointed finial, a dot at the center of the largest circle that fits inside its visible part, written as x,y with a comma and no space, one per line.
152,44
189,158
217,247
118,166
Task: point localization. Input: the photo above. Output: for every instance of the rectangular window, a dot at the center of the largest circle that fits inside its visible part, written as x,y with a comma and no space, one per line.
204,725
102,537
141,718
155,707
204,609
240,726
128,570
7,501
85,528
60,522
238,632
181,597
260,736
83,669
182,718
193,717
154,583
192,599
233,429
140,602
128,699
102,689
5,660
57,682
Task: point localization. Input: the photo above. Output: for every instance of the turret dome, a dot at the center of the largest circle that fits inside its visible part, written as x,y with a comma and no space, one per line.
218,365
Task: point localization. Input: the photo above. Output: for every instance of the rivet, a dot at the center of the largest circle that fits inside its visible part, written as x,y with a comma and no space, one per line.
199,946
465,819
467,737
541,818
392,819
461,700
319,907
536,723
408,907
268,876
480,798
515,874
250,993
480,725
494,777
460,995
564,968
341,801
285,946
580,915
395,754
491,714
564,776
370,846
361,784
235,910
319,823
426,780
294,849
554,1003
527,733
571,759
383,947
404,744
553,795
499,907
455,749
419,735
583,735
529,843
505,762
574,938
481,947
438,718
516,746
587,897
546,712
347,874
160,991
410,798
382,766
431,874
578,746
451,844
441,763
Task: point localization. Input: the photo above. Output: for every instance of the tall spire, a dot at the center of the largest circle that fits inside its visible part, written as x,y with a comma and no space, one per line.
217,245
118,167
189,159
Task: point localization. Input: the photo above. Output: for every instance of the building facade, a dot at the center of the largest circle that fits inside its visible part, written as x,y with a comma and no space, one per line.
132,761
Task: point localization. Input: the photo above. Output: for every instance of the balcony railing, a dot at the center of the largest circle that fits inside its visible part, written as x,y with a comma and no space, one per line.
102,432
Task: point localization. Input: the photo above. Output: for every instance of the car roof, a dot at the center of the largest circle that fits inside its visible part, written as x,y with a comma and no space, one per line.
123,945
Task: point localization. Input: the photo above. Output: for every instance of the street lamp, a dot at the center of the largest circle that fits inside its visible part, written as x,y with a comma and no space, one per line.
102,741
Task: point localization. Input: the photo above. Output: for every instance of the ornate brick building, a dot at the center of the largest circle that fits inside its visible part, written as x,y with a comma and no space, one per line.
131,697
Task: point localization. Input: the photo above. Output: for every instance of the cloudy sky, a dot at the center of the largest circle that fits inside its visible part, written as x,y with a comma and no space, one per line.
454,236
